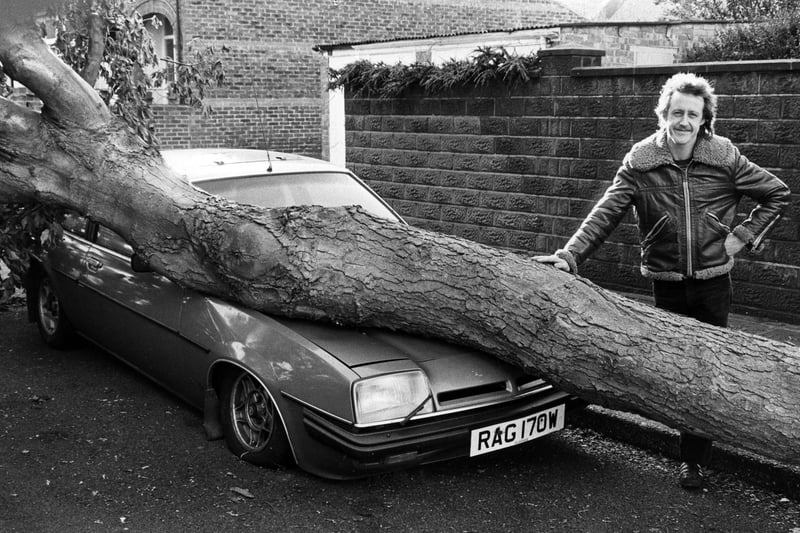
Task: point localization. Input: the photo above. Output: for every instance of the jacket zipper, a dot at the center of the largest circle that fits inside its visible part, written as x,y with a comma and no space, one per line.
718,221
757,241
688,218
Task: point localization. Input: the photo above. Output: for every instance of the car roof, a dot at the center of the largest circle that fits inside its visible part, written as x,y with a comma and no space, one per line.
200,164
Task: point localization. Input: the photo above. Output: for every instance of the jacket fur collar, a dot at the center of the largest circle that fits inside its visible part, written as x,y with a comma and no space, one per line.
653,152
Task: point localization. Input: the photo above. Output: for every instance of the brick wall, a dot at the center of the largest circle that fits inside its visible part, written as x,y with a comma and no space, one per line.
271,57
280,124
271,63
520,169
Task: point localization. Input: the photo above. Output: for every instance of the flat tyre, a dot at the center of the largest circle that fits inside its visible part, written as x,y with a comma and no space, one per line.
251,422
54,327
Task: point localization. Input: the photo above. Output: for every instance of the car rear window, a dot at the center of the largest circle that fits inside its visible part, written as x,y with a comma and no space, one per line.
75,223
328,189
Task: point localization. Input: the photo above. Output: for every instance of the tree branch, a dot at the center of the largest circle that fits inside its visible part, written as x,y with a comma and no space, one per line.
66,97
39,162
97,44
17,144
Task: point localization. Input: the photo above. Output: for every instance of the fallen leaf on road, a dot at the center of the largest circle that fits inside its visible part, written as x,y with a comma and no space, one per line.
242,492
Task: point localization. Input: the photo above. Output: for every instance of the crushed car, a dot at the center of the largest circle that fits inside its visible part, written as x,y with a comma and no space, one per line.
337,402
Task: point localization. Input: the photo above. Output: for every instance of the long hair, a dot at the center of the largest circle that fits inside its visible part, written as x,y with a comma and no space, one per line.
688,83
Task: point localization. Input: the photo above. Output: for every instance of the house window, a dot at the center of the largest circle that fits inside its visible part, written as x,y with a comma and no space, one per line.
161,21
163,37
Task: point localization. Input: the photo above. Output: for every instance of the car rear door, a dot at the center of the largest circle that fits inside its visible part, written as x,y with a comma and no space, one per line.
66,263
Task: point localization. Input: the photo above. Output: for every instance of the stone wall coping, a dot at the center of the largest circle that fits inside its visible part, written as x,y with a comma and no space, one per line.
709,67
571,50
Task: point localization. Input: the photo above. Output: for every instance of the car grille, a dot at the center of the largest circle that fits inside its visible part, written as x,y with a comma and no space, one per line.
491,392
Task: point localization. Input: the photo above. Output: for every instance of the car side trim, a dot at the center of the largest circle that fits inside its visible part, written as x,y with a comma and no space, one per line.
316,409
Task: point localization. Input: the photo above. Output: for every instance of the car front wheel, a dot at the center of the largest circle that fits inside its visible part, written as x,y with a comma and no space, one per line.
251,422
54,326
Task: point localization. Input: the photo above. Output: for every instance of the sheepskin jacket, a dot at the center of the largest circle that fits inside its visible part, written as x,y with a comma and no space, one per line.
684,213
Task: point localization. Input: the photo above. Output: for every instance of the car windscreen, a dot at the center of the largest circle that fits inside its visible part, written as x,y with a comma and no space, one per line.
327,189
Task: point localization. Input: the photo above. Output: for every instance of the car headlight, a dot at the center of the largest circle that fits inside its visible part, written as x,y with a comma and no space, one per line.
391,396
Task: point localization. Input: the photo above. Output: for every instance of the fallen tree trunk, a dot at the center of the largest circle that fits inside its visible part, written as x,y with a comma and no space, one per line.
348,267
737,388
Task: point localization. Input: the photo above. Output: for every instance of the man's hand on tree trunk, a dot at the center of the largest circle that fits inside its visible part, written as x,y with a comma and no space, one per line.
553,260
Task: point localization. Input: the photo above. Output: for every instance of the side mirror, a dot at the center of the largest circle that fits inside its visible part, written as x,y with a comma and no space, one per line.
140,264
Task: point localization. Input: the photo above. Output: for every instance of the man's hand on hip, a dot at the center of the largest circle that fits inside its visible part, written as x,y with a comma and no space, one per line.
733,244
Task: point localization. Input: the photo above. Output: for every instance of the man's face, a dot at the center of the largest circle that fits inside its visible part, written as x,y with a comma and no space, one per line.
684,118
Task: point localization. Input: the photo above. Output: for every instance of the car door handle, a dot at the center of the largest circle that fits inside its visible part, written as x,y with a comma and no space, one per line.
94,265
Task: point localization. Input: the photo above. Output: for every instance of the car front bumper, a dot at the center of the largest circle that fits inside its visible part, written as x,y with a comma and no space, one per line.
331,449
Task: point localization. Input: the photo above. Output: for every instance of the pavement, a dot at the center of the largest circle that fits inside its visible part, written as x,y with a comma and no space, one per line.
658,438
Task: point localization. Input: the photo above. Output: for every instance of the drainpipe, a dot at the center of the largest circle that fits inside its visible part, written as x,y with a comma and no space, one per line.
178,31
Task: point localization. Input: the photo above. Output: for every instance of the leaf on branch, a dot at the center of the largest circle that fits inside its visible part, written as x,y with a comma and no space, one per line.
26,228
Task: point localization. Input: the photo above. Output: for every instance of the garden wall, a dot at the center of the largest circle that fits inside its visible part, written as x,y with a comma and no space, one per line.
520,168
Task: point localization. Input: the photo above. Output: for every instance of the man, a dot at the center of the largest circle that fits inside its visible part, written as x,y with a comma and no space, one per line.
684,183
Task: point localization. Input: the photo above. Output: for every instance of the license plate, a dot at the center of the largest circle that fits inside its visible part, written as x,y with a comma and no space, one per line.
492,438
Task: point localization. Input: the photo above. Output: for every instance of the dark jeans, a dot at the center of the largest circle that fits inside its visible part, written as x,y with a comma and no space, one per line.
708,301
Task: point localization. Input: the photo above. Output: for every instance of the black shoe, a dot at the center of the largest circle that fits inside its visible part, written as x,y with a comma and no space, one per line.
691,476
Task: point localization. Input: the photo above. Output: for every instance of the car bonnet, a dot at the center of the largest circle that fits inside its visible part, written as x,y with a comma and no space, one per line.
366,349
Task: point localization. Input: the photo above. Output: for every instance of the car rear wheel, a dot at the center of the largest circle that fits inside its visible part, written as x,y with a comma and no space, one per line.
54,326
251,422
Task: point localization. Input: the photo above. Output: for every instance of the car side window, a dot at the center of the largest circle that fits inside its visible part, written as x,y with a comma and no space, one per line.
75,224
113,241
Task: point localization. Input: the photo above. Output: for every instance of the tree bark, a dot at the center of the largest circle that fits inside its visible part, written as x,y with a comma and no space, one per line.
348,267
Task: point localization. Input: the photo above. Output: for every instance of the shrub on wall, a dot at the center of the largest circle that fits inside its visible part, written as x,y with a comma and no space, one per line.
741,10
778,38
488,65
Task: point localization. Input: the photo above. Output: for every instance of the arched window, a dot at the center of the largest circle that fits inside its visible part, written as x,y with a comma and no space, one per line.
163,36
161,20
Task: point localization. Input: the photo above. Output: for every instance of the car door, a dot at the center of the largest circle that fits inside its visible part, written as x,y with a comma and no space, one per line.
65,265
136,317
